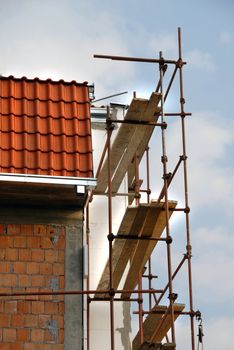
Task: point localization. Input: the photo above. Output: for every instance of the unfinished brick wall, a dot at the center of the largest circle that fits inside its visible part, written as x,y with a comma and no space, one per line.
32,259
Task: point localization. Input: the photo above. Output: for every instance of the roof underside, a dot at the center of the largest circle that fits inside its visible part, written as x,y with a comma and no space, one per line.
45,127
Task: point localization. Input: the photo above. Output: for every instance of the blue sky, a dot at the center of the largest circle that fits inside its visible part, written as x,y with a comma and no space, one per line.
57,39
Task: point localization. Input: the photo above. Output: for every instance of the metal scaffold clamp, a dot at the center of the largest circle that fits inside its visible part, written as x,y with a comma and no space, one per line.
200,334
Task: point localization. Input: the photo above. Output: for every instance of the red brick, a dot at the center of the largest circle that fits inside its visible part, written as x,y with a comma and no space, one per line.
61,256
19,290
5,290
30,346
2,304
61,243
26,230
5,320
25,254
23,334
9,335
38,281
61,282
46,243
20,242
13,229
57,347
51,255
31,320
43,321
58,269
24,280
6,242
5,346
19,267
0,335
37,335
43,347
2,254
38,255
61,336
61,308
17,320
17,346
10,307
9,280
46,269
48,337
32,268
33,290
60,320
12,254
24,307
5,267
40,230
51,307
33,242
38,307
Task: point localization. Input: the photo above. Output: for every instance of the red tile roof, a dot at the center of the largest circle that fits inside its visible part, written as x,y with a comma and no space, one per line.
45,127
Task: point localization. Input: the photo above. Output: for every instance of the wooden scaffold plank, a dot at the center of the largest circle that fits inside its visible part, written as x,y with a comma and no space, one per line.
153,227
142,146
152,330
128,139
122,250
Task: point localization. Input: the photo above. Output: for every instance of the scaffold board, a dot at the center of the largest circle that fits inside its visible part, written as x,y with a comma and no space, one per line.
154,327
136,221
122,248
154,226
129,138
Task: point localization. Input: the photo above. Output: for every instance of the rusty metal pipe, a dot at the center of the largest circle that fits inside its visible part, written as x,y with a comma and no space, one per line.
137,180
88,275
79,292
135,59
109,132
162,193
182,102
140,308
173,276
142,238
170,83
138,122
164,161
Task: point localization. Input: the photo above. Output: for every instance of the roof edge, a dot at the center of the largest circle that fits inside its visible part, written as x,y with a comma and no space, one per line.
89,183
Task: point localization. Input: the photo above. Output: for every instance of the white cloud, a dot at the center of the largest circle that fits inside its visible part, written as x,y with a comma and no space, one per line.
212,267
67,54
209,141
200,60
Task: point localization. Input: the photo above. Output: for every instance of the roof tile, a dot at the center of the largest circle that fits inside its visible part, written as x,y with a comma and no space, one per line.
45,127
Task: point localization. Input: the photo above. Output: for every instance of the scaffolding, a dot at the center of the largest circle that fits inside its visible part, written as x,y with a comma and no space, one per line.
144,223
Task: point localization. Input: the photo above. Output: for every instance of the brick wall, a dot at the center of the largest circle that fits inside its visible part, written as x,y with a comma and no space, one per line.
32,259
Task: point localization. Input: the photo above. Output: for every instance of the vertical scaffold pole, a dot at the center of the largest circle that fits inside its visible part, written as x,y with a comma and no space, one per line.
88,275
165,178
109,127
188,246
148,201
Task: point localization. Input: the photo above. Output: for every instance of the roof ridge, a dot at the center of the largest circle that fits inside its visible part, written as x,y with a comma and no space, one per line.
40,80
